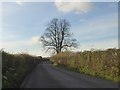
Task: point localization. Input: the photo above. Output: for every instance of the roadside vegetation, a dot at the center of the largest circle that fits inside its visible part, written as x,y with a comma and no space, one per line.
99,63
15,67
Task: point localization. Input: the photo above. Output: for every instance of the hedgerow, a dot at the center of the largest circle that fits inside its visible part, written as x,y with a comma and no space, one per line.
100,63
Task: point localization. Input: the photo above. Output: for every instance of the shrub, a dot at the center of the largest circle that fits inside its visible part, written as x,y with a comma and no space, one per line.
15,67
102,63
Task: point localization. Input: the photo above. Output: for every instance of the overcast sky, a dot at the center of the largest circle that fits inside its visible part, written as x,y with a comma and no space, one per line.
94,25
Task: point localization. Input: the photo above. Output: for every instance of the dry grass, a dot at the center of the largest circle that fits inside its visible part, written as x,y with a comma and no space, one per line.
98,63
15,67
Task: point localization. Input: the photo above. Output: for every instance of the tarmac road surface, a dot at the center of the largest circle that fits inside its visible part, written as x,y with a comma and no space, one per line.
45,75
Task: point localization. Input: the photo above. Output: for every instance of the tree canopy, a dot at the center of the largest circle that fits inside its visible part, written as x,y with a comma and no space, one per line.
57,36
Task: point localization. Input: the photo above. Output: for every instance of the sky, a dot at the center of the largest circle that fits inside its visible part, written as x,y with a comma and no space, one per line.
93,24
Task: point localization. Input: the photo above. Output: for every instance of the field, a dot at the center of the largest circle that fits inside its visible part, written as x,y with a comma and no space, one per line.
99,63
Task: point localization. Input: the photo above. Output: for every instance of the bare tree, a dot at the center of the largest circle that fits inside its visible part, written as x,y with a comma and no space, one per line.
57,36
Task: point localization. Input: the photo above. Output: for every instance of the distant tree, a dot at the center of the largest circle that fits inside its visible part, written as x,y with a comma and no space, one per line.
57,36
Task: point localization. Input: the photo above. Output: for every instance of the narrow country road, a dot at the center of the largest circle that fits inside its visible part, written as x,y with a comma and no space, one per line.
45,75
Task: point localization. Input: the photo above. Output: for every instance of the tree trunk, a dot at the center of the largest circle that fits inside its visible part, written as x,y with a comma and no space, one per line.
58,51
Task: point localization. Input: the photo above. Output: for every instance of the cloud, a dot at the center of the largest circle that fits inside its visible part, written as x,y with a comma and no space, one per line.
98,28
77,7
98,32
11,44
14,44
30,45
35,40
105,44
19,2
104,0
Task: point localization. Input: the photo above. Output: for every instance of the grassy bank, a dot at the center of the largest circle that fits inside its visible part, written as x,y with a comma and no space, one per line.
15,67
104,64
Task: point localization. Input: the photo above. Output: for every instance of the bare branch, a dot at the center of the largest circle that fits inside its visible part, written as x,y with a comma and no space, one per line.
57,36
